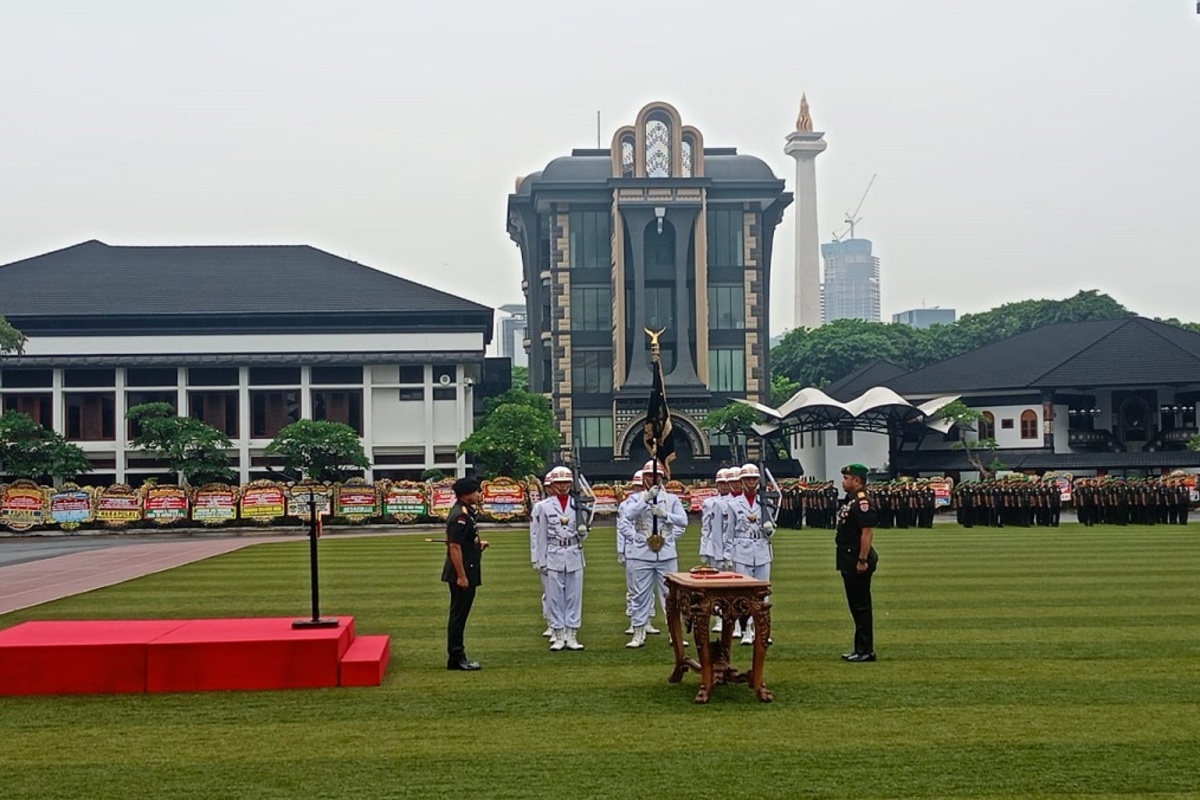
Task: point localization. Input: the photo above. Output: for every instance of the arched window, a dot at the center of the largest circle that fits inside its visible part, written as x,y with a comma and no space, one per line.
627,156
987,425
689,147
658,145
1029,426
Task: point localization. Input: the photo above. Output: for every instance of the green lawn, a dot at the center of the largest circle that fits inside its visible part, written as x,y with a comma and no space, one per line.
1013,663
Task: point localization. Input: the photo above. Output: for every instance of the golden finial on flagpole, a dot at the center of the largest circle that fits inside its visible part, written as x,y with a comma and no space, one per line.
655,350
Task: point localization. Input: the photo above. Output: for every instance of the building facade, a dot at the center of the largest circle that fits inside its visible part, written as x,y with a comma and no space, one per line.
247,339
851,287
656,232
926,317
1118,396
513,335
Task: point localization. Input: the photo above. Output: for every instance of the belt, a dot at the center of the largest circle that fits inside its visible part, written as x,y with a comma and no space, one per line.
751,536
563,542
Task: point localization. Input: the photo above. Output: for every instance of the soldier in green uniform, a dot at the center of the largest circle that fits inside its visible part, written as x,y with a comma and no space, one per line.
857,559
464,551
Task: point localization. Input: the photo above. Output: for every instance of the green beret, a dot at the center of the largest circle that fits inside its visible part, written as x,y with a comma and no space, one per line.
857,470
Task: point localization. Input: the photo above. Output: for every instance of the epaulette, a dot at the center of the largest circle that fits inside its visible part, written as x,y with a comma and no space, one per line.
862,494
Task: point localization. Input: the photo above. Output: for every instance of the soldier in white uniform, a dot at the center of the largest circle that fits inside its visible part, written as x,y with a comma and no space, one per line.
649,556
749,545
637,481
549,632
558,555
713,517
715,523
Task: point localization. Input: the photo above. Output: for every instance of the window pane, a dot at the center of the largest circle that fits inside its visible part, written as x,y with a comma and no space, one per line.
38,407
339,406
271,412
218,409
591,246
727,370
27,378
213,376
91,416
274,376
89,377
156,376
412,375
334,375
725,237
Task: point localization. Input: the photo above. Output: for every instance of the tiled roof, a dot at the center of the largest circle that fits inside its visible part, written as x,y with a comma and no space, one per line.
868,376
94,278
1133,351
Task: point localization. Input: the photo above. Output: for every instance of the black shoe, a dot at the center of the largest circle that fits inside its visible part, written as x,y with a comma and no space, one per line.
849,656
860,658
464,665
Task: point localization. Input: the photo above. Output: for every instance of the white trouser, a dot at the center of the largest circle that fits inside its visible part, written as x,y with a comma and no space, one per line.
564,599
545,579
762,572
647,578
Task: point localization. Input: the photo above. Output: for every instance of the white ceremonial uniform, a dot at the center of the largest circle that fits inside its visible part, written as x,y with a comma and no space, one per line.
646,568
749,546
714,518
621,555
558,554
542,576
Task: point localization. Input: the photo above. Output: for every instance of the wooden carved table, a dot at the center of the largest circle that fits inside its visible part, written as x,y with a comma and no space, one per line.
697,598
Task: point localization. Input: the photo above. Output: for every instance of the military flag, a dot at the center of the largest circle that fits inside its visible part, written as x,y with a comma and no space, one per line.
658,434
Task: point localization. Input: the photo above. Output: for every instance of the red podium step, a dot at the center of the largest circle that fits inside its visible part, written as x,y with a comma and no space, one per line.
366,661
113,656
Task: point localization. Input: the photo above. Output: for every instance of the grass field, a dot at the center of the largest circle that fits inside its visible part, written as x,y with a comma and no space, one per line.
1013,663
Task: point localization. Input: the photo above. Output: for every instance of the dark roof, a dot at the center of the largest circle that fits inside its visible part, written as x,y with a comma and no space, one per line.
868,376
1132,351
1034,458
94,278
727,166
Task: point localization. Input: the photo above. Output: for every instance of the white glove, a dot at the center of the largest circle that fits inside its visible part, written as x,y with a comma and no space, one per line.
653,491
727,565
768,527
620,558
582,530
660,511
536,567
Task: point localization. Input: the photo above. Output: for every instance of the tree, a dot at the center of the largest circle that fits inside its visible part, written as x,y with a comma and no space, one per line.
516,435
27,450
782,389
732,420
319,449
191,448
11,339
520,378
965,418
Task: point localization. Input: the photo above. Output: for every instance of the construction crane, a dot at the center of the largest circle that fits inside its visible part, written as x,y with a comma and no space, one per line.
852,217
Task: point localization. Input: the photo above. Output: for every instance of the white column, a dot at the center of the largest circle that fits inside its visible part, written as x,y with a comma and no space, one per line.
121,430
243,442
805,147
368,412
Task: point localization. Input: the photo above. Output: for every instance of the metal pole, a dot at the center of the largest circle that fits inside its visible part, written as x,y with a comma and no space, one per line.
316,621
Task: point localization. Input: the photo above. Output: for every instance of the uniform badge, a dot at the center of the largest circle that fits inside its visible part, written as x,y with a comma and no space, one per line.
564,520
656,542
753,517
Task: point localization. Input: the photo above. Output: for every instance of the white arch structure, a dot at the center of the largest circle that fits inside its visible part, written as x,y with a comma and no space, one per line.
878,410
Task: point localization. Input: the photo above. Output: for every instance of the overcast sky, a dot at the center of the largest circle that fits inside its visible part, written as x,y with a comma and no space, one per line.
1024,148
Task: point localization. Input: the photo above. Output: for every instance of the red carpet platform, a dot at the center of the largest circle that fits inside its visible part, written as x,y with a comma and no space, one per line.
115,656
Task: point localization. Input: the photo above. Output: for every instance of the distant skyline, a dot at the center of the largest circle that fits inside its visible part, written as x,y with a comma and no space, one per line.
1023,150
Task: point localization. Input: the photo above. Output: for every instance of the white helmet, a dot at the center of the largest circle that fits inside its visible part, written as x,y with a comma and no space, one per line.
749,471
723,475
649,467
559,475
637,476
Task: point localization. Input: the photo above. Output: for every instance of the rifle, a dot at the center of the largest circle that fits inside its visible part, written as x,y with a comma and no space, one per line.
583,497
768,498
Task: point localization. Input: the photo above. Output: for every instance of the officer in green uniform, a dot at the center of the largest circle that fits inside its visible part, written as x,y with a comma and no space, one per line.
857,559
464,551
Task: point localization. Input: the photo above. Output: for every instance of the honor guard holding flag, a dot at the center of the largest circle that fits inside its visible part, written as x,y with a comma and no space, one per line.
558,531
749,547
650,522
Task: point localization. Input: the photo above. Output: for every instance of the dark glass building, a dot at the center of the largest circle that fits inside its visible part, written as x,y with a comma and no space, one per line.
656,232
